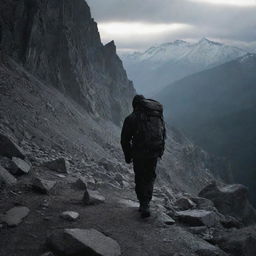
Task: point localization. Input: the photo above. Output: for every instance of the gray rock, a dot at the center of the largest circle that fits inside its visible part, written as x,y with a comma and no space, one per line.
70,215
91,197
239,242
60,165
83,242
203,203
6,178
184,203
164,218
9,148
42,185
231,200
96,197
20,166
198,217
80,183
14,216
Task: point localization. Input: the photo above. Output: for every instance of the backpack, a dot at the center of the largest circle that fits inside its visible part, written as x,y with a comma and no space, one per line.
151,129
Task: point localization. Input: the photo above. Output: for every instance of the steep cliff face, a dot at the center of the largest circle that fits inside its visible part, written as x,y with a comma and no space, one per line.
58,41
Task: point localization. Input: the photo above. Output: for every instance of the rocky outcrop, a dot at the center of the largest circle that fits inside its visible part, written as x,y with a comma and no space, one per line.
59,42
60,165
239,242
231,200
42,185
83,242
198,217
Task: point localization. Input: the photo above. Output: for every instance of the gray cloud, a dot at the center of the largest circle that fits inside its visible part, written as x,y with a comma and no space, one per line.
220,22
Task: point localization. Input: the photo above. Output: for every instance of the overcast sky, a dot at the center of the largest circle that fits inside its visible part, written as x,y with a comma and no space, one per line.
138,24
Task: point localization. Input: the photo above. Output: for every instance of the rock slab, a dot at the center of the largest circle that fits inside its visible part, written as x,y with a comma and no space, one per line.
70,215
9,148
43,186
83,242
14,216
60,165
164,218
231,200
198,217
80,183
92,197
20,166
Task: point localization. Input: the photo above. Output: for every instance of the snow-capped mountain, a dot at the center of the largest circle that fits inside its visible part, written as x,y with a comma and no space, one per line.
162,64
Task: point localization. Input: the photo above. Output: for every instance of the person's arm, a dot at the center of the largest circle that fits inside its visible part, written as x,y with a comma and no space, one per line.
126,137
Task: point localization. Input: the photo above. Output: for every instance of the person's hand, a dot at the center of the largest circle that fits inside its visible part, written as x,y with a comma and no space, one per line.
128,160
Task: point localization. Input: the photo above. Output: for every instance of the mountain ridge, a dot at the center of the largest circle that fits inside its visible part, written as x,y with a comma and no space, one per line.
158,66
216,109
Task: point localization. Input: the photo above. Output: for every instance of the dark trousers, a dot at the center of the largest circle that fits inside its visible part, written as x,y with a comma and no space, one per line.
145,175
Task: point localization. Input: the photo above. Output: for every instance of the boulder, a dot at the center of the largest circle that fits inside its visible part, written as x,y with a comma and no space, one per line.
198,217
6,178
184,203
70,215
80,183
60,165
20,166
164,218
14,216
239,242
83,242
9,148
91,197
96,197
203,203
43,186
231,200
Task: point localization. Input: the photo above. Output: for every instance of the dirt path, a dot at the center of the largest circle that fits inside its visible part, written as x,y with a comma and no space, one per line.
118,218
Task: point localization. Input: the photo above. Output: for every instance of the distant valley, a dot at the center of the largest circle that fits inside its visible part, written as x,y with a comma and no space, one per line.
163,64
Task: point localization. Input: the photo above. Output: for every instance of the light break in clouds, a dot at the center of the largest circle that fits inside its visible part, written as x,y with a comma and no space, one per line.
228,2
139,24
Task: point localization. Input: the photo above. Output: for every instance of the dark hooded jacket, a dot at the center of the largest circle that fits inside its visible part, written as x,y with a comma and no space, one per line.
131,145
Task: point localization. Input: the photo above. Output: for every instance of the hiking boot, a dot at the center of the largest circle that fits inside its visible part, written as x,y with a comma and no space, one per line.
145,212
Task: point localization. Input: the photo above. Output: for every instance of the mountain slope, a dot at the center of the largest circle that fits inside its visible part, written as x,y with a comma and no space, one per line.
59,42
216,108
163,64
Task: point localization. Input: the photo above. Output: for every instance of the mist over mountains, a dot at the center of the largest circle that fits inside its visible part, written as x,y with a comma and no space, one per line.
216,108
160,65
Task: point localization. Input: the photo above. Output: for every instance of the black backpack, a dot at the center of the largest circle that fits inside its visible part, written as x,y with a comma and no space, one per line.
151,128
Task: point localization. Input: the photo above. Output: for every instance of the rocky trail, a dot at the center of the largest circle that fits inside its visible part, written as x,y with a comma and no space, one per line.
55,152
41,206
65,189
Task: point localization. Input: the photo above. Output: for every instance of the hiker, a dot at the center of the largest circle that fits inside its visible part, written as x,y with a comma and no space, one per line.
143,141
